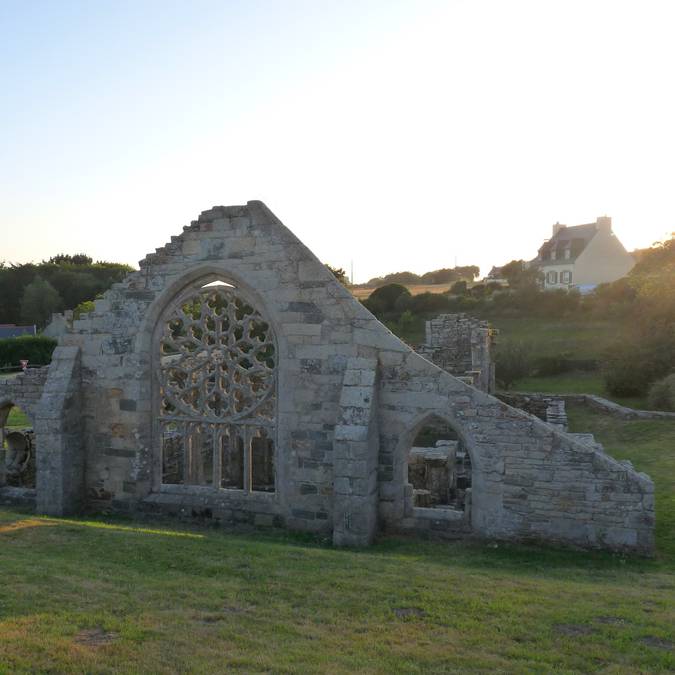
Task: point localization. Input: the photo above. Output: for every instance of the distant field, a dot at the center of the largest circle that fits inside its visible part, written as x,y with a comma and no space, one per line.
363,293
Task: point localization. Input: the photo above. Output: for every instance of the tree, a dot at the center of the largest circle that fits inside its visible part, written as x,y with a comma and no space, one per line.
74,277
77,259
458,288
339,274
39,301
519,275
383,299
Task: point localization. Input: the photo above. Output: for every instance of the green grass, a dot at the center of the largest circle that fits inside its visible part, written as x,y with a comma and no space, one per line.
17,418
582,338
577,383
170,599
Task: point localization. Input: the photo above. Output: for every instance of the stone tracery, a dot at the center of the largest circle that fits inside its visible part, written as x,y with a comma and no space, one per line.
217,376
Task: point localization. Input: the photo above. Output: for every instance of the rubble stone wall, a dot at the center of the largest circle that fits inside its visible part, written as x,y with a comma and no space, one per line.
462,345
24,390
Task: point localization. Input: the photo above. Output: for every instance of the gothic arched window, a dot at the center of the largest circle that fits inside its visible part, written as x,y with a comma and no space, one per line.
217,367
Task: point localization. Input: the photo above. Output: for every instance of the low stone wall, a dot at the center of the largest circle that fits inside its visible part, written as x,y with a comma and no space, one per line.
548,408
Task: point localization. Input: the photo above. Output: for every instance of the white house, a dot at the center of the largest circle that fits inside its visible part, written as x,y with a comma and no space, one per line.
583,256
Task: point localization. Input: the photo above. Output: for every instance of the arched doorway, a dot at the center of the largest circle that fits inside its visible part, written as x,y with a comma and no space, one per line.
439,467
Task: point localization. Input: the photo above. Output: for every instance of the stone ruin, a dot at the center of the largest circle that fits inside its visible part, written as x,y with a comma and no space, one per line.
462,345
232,379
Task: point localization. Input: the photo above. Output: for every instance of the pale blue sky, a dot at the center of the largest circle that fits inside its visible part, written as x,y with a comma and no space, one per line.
399,134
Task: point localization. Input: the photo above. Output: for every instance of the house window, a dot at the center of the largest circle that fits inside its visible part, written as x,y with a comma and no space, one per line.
568,253
566,277
217,392
553,254
552,277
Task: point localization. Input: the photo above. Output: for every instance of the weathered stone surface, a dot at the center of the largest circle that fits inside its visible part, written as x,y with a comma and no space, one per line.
349,399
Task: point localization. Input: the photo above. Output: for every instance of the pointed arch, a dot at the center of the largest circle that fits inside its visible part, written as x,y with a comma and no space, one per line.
438,464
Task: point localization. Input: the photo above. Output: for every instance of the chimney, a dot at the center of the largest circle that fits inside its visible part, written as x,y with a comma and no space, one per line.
604,223
557,227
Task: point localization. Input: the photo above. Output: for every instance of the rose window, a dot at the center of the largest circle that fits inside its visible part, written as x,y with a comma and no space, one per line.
217,382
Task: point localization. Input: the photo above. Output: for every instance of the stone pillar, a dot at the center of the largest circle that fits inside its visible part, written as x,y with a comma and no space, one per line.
58,431
355,453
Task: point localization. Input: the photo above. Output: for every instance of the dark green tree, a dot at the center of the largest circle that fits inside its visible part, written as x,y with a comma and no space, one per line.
39,301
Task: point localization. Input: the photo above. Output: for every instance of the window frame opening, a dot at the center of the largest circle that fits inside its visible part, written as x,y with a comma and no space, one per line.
215,392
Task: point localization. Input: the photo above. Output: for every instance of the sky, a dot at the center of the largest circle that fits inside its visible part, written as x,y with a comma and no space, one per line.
386,134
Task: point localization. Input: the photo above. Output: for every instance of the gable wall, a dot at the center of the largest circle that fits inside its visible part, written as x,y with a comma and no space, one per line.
602,261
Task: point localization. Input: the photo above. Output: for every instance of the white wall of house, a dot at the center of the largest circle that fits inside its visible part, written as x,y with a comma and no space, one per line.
603,260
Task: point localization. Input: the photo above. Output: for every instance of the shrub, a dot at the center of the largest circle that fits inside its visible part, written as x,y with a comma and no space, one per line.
429,302
383,299
88,306
552,365
631,367
37,349
513,362
662,394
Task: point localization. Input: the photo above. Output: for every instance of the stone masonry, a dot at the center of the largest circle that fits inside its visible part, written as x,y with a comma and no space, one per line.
462,345
233,379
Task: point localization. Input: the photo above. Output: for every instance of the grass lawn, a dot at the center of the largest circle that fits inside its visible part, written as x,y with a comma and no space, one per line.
582,338
91,596
17,418
577,383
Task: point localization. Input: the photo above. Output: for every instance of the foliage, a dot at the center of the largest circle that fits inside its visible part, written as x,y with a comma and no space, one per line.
445,275
84,308
37,349
513,361
520,275
458,288
65,259
39,301
383,300
75,278
428,303
662,394
632,365
646,303
339,274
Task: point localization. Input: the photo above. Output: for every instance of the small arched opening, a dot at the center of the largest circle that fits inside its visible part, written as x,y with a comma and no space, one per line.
17,443
439,467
